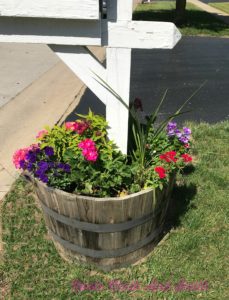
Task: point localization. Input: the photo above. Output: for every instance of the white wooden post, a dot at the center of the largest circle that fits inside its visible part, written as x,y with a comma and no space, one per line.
85,66
68,25
118,76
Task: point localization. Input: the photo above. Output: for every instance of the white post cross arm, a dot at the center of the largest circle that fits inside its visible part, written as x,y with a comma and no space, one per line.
68,25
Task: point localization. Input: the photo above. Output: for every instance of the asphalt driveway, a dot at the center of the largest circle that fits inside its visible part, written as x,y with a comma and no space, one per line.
181,71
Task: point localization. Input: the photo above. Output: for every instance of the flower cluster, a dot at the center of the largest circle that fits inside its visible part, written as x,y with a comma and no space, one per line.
171,157
187,158
90,151
21,156
38,161
41,134
160,171
78,157
78,126
55,168
183,136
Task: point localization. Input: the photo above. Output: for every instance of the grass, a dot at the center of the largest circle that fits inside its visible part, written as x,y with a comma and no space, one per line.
224,6
195,249
198,22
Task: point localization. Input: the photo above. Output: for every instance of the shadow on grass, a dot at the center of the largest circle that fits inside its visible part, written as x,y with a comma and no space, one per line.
180,201
179,204
194,18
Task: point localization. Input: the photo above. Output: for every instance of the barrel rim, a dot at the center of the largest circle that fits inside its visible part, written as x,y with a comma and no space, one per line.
72,196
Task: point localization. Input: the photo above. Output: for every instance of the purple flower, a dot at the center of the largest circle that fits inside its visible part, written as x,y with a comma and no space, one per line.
51,164
184,139
40,173
31,156
44,178
60,165
178,133
49,151
171,126
65,167
170,132
187,131
30,167
22,164
43,165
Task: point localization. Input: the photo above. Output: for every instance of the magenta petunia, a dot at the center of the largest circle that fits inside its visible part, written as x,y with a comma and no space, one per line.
70,125
41,134
20,155
87,144
89,150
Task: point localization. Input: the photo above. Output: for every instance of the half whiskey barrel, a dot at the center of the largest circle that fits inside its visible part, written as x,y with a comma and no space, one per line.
105,232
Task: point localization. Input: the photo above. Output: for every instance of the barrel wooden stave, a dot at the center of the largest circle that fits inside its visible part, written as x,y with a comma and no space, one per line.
105,211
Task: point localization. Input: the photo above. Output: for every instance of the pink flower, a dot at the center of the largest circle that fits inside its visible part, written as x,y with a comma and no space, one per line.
70,125
81,126
87,144
90,155
20,155
90,151
41,134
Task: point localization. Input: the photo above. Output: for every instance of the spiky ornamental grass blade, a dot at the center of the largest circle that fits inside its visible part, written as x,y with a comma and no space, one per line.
141,135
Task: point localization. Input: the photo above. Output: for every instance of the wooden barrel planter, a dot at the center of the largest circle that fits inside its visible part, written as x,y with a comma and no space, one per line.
105,232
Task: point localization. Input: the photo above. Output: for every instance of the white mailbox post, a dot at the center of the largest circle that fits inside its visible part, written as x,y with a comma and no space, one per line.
69,26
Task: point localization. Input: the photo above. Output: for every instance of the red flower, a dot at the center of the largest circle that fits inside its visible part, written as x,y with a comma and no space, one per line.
169,156
186,146
161,172
186,157
81,126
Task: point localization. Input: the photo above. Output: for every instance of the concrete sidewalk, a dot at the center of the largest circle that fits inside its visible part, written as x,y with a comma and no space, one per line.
216,12
46,101
20,66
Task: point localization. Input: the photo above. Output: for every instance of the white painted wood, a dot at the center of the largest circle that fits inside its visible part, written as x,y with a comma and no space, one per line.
53,22
85,66
66,9
119,10
121,34
50,31
118,77
141,34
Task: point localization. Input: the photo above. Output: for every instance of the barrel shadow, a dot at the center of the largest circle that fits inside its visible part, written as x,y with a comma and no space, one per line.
179,204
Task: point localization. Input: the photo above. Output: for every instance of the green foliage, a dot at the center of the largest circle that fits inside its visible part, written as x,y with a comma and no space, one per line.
109,175
78,157
148,133
196,249
59,138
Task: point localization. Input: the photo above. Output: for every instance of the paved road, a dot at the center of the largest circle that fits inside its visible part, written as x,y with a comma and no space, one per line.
181,70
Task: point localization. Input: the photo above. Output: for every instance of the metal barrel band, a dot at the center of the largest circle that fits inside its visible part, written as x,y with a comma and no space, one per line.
106,253
99,228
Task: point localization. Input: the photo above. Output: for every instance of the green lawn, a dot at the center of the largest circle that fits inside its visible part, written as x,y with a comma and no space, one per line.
198,22
195,249
224,6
